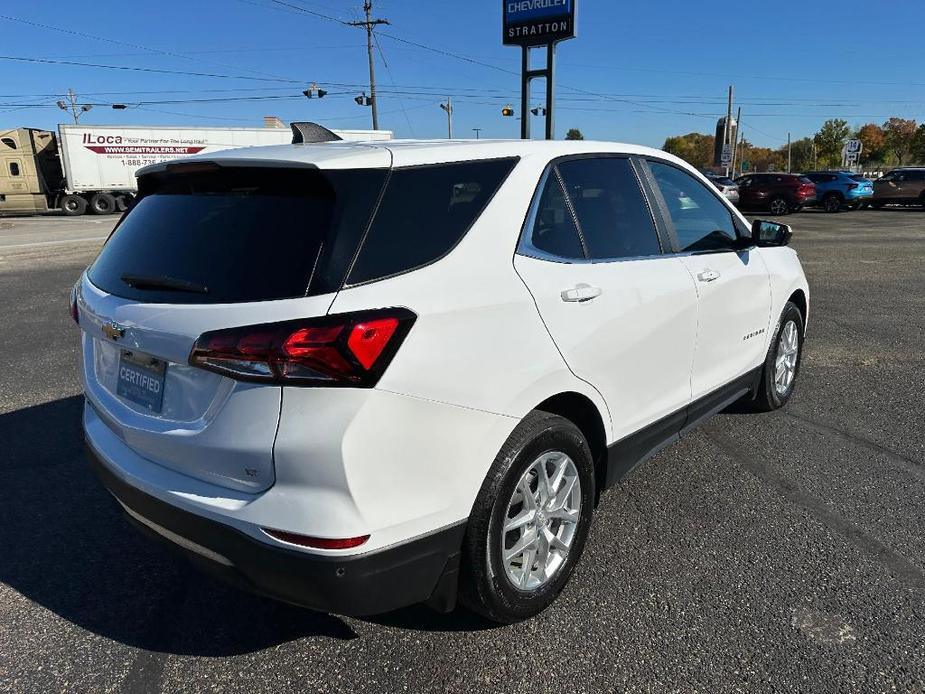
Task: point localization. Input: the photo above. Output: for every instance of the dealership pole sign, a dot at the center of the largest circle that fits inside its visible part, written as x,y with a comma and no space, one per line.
533,24
538,22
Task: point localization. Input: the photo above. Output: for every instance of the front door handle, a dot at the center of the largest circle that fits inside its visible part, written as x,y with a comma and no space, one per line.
581,293
708,276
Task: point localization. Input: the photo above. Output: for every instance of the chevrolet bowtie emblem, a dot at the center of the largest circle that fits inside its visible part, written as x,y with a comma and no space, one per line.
113,330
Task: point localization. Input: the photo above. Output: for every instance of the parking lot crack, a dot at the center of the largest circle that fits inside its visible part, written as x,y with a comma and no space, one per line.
896,563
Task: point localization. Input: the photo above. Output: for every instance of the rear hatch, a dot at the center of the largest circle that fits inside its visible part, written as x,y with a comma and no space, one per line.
210,247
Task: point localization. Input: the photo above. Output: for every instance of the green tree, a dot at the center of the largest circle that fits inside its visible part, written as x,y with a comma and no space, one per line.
801,155
694,148
918,145
900,134
829,141
574,134
874,141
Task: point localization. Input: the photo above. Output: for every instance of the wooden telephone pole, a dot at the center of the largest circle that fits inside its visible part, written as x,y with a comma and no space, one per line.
369,25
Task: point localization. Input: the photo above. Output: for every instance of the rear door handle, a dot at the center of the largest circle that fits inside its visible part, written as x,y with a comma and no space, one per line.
581,293
708,276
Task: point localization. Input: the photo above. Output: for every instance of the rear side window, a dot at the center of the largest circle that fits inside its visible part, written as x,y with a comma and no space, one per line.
613,215
238,235
553,234
424,213
701,221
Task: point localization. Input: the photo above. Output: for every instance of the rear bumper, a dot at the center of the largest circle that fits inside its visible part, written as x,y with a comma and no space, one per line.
424,569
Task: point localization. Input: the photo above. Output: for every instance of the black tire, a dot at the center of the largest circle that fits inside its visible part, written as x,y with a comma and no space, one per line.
102,203
779,206
73,205
768,397
485,587
832,203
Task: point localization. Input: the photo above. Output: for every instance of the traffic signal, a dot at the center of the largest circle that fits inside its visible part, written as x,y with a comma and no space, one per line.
507,111
363,100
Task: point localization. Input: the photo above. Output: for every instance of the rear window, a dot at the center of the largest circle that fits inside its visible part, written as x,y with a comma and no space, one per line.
858,177
238,235
425,212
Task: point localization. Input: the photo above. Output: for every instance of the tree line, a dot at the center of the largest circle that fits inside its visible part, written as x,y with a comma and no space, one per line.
897,142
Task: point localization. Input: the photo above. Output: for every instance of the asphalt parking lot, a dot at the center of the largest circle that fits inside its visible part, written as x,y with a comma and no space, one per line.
781,552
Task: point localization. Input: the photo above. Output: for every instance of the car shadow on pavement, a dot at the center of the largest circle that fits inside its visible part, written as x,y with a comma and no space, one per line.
65,545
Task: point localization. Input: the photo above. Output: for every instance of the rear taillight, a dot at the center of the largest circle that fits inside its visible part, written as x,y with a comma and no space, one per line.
852,186
345,350
75,312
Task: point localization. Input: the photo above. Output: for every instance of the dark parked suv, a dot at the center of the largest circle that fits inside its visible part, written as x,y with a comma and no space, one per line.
777,193
900,187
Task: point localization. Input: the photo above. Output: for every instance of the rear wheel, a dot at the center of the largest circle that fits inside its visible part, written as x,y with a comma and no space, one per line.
782,365
73,205
530,521
779,206
832,203
103,203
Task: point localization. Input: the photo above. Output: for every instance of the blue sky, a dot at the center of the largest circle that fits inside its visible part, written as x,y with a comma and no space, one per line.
654,68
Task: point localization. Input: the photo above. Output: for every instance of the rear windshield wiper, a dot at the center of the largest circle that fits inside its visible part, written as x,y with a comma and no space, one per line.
162,282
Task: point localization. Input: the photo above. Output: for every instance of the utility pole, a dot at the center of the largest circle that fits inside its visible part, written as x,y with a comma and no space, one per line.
738,137
77,110
789,155
369,24
727,131
448,107
478,132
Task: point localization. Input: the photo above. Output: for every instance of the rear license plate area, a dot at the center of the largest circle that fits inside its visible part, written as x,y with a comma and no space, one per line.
141,380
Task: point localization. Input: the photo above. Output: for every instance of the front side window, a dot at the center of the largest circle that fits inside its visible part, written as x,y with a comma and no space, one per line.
701,221
425,211
612,213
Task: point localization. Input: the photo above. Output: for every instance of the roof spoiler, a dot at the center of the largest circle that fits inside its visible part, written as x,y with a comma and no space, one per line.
311,132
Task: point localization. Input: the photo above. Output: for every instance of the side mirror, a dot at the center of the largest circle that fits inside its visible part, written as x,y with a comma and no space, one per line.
766,234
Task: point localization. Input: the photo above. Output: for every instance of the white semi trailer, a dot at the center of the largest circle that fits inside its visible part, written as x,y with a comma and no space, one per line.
92,168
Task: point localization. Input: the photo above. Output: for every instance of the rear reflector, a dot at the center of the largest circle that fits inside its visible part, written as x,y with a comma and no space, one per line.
317,542
343,350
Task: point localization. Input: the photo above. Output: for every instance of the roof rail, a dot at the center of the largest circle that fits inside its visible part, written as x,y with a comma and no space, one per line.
306,131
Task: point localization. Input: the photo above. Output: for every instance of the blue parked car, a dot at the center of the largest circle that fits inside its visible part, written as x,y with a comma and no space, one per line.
837,190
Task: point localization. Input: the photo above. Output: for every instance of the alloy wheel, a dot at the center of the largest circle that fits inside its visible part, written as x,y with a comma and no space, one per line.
785,365
778,206
541,521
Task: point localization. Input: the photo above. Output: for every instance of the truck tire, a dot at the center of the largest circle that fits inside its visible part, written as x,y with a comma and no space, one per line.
102,203
73,205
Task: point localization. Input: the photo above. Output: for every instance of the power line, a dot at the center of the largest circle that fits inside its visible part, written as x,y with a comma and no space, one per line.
160,71
117,42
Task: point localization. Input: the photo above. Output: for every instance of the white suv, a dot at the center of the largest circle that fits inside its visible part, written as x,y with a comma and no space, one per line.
360,376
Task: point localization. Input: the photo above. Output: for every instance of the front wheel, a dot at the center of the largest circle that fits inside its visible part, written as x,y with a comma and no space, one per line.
530,521
782,365
779,206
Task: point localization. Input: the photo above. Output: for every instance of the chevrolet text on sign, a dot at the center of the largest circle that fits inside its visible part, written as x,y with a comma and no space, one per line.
538,22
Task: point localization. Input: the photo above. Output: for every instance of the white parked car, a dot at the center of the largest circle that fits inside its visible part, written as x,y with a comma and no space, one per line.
360,376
